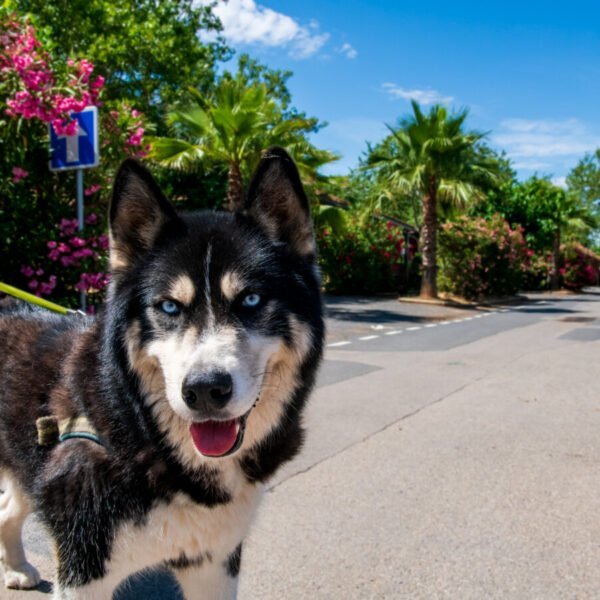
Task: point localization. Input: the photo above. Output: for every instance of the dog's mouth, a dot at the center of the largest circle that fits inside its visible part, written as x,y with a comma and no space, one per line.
219,438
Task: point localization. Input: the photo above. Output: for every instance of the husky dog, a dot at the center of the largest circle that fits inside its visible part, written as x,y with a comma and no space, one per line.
145,437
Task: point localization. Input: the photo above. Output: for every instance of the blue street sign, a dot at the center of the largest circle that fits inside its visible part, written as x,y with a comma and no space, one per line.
80,150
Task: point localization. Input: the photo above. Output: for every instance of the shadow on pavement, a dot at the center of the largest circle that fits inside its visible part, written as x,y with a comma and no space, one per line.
45,587
546,310
370,316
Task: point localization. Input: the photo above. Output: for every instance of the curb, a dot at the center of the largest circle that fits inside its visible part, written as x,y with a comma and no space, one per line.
460,303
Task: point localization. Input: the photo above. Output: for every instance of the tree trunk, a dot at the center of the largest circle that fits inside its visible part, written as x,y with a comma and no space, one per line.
555,280
429,243
235,188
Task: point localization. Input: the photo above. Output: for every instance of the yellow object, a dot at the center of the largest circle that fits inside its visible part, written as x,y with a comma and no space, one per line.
17,293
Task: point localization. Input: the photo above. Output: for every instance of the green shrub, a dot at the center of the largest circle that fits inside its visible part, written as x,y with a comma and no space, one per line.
480,257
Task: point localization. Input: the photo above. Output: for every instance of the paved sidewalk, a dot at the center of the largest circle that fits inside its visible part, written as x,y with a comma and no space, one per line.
466,474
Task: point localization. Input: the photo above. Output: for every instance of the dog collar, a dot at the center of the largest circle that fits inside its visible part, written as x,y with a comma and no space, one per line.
51,430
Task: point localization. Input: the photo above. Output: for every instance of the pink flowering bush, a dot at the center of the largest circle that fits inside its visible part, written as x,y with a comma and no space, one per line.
38,91
75,262
481,257
537,270
579,267
362,260
124,130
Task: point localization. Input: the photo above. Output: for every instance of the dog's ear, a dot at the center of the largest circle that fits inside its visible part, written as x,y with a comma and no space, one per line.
277,202
138,211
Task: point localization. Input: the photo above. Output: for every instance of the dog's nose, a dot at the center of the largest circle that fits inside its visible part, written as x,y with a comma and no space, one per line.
207,390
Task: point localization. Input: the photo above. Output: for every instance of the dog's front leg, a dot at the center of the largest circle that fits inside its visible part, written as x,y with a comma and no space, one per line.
212,579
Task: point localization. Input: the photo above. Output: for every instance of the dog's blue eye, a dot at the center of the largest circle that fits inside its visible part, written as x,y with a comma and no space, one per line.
170,308
251,301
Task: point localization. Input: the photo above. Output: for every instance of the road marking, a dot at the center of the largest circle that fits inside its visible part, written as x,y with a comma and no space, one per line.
366,338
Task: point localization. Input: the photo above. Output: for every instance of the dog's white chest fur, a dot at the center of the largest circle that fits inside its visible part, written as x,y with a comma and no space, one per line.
182,528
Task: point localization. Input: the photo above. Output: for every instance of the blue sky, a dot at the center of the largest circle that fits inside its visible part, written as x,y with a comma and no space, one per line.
528,71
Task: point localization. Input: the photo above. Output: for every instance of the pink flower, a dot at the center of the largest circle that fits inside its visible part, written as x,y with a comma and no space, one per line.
68,227
67,261
98,83
83,253
85,69
92,190
103,242
46,288
92,282
77,242
19,174
27,271
135,139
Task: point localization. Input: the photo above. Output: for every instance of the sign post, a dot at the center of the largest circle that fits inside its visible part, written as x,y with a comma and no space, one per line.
80,215
78,151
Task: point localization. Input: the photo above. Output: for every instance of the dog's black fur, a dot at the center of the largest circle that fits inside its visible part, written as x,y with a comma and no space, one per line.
63,367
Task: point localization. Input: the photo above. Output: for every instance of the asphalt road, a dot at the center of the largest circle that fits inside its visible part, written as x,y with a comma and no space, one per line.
451,453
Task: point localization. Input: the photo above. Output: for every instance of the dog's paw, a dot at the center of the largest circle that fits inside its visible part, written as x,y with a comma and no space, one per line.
24,577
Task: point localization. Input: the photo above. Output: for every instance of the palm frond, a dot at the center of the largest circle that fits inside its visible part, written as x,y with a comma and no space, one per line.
174,153
194,121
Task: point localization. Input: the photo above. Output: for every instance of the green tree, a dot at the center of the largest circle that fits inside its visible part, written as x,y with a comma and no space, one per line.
584,181
432,156
550,216
231,127
147,50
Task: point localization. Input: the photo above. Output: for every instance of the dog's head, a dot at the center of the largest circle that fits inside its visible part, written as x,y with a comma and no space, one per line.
220,312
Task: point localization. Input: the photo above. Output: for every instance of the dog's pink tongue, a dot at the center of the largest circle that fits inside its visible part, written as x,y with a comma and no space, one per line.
214,438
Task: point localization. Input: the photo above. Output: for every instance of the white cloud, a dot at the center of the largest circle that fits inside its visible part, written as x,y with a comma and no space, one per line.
542,139
246,22
560,182
348,51
421,96
532,165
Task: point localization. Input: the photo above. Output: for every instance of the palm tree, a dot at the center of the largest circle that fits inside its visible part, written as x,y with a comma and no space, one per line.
570,219
232,128
431,155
